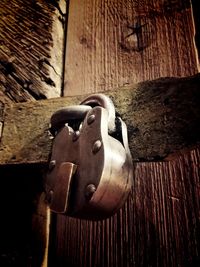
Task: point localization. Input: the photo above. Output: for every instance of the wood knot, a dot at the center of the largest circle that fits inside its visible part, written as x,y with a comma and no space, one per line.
85,42
135,37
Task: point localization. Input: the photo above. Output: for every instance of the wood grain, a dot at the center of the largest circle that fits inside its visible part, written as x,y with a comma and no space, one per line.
115,43
31,68
158,226
31,49
162,117
196,10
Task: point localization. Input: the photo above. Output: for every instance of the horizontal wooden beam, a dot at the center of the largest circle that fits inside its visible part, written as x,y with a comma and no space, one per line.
163,116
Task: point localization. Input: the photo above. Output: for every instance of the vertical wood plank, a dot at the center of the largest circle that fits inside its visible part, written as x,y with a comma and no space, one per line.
196,10
114,43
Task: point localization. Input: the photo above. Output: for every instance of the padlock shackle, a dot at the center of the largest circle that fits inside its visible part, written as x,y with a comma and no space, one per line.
68,114
105,102
78,112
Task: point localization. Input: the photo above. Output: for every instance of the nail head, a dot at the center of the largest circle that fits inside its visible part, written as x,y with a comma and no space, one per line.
96,146
90,189
76,136
91,119
52,164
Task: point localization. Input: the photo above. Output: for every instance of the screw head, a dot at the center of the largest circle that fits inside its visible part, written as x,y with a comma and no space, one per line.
90,189
91,119
52,164
76,136
96,146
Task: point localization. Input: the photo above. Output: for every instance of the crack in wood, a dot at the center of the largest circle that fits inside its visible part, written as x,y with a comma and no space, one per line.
137,40
9,69
2,106
62,17
29,32
43,61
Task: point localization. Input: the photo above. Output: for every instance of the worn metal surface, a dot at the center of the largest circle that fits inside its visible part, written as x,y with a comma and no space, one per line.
73,114
59,189
103,162
105,102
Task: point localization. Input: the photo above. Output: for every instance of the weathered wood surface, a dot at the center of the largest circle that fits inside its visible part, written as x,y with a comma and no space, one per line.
163,116
31,49
31,68
116,43
158,226
196,10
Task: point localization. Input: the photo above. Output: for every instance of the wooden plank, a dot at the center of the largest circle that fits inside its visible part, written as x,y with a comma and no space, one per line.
116,43
162,117
31,49
2,106
158,226
196,10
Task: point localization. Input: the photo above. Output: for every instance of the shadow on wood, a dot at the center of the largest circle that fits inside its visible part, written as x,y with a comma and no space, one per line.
158,226
23,221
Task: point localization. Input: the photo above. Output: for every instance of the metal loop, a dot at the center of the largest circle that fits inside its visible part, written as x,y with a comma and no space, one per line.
68,114
77,113
105,102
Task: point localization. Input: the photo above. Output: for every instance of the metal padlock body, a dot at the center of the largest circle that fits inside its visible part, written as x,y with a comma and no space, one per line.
103,165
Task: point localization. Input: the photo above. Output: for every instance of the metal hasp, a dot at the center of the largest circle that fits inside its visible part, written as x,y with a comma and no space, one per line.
90,171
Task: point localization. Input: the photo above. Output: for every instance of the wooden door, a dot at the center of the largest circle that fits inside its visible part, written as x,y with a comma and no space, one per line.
112,44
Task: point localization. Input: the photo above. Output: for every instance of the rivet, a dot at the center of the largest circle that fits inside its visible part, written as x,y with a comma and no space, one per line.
80,126
76,136
90,189
91,119
52,164
96,147
50,196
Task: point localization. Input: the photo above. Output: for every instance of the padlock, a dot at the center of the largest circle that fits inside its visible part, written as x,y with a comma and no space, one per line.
90,171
